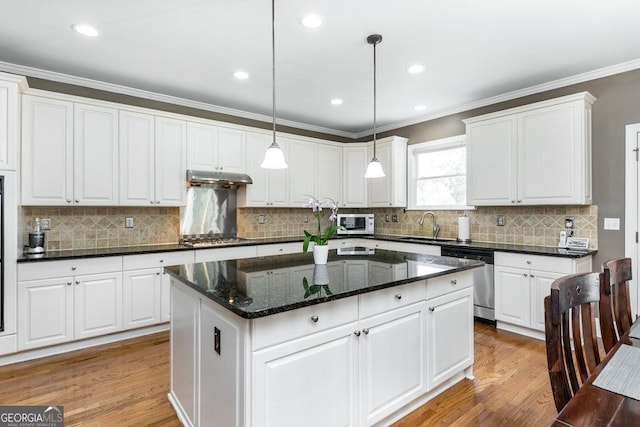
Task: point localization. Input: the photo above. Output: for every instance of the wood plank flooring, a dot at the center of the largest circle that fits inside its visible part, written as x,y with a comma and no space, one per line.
126,384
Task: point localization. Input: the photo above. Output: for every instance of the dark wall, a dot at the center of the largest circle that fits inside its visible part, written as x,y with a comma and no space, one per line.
617,105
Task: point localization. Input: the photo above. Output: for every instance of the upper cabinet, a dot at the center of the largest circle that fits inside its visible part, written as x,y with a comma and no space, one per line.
539,154
270,186
329,172
9,120
391,190
303,171
213,148
354,187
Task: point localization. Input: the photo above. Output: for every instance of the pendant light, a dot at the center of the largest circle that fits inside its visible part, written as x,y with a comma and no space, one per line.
374,169
274,157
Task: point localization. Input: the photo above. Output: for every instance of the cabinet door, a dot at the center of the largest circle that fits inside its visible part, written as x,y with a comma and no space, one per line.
137,162
95,156
202,146
270,186
513,295
279,179
540,288
302,172
170,161
45,312
354,186
165,298
9,120
219,360
231,150
47,151
141,291
311,381
492,162
551,139
97,304
380,194
329,177
385,384
449,335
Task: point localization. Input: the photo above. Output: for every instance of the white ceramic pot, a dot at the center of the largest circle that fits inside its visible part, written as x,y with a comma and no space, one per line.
320,254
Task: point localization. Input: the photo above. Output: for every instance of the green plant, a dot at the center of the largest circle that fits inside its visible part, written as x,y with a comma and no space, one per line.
321,238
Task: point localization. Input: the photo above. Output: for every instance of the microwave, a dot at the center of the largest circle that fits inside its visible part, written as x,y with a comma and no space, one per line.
355,224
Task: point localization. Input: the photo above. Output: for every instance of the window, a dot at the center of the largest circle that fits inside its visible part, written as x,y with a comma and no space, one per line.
438,174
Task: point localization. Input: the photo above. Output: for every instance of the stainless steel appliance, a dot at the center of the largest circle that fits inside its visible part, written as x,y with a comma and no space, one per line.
483,291
356,224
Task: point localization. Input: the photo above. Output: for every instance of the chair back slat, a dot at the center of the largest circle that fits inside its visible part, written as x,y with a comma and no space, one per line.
607,327
619,273
570,329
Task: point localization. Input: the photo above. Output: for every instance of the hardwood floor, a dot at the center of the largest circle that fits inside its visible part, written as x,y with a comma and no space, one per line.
126,384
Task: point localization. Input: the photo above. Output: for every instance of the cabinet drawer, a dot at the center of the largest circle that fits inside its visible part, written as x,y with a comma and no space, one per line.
279,249
159,259
300,322
415,248
387,299
449,283
219,254
49,269
534,262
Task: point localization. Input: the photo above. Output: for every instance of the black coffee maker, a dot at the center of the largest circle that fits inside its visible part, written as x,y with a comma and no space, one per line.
36,240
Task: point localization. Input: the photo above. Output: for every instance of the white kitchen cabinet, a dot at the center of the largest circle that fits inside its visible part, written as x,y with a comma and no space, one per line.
507,151
521,284
329,172
303,171
47,151
9,120
61,301
391,190
215,149
449,334
386,339
95,155
152,160
142,296
354,186
270,187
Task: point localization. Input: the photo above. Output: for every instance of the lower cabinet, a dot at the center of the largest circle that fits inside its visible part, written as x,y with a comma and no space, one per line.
142,297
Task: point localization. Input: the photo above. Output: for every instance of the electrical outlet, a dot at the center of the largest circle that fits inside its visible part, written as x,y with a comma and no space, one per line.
386,218
500,221
394,218
569,222
261,219
45,224
128,222
306,218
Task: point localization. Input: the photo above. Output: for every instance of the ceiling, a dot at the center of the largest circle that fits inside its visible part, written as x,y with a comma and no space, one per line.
474,52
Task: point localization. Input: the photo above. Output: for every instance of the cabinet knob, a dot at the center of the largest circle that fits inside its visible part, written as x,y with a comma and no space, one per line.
365,331
432,309
77,282
528,261
519,201
158,273
526,275
398,297
158,202
68,200
532,275
151,202
454,282
68,283
513,201
161,261
314,319
77,201
73,268
356,333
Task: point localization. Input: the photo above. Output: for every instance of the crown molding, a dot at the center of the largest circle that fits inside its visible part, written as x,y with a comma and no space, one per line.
125,90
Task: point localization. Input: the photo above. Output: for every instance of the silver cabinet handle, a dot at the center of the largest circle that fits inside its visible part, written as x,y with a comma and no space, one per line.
454,282
151,201
161,261
356,333
68,200
73,268
432,309
513,201
526,275
77,201
365,331
532,275
314,319
158,273
398,297
77,282
528,261
68,283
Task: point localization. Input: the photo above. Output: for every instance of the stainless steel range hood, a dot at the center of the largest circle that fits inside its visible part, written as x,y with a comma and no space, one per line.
222,179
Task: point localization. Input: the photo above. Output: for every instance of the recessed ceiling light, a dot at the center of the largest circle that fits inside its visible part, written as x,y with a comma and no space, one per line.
241,75
415,69
420,107
311,21
85,29
336,101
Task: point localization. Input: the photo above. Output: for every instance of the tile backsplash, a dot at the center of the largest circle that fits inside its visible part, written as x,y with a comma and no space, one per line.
101,227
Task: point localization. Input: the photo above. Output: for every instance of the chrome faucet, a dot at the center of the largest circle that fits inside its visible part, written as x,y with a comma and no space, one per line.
436,227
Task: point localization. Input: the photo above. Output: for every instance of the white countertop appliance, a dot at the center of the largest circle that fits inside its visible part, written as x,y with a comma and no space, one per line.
355,224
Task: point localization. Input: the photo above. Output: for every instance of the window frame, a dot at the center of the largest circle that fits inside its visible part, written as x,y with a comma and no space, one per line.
412,170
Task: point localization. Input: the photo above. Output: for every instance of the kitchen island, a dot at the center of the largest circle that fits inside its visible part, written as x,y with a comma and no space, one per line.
279,341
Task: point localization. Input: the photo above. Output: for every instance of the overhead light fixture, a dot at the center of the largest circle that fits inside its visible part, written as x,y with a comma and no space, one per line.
415,69
420,107
336,101
311,21
374,169
241,75
85,29
274,157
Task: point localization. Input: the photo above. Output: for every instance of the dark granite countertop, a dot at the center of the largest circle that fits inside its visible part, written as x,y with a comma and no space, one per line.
145,249
239,285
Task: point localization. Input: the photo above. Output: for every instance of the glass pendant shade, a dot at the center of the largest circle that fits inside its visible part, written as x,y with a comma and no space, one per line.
274,158
374,169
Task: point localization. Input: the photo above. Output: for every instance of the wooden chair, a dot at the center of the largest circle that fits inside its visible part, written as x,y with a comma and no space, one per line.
617,274
570,313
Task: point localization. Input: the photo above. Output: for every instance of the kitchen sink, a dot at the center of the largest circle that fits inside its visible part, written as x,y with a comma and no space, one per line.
426,239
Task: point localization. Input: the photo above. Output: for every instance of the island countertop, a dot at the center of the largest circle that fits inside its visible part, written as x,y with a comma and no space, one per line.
258,287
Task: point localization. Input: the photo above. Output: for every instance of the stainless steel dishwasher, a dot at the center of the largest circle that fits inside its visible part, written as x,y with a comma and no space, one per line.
483,290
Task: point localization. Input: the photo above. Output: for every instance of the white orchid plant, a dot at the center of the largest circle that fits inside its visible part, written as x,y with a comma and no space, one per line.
321,238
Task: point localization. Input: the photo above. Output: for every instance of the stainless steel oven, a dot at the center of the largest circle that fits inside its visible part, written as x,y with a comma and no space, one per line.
355,224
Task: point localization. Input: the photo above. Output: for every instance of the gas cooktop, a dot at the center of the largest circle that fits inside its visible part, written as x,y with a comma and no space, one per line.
208,241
